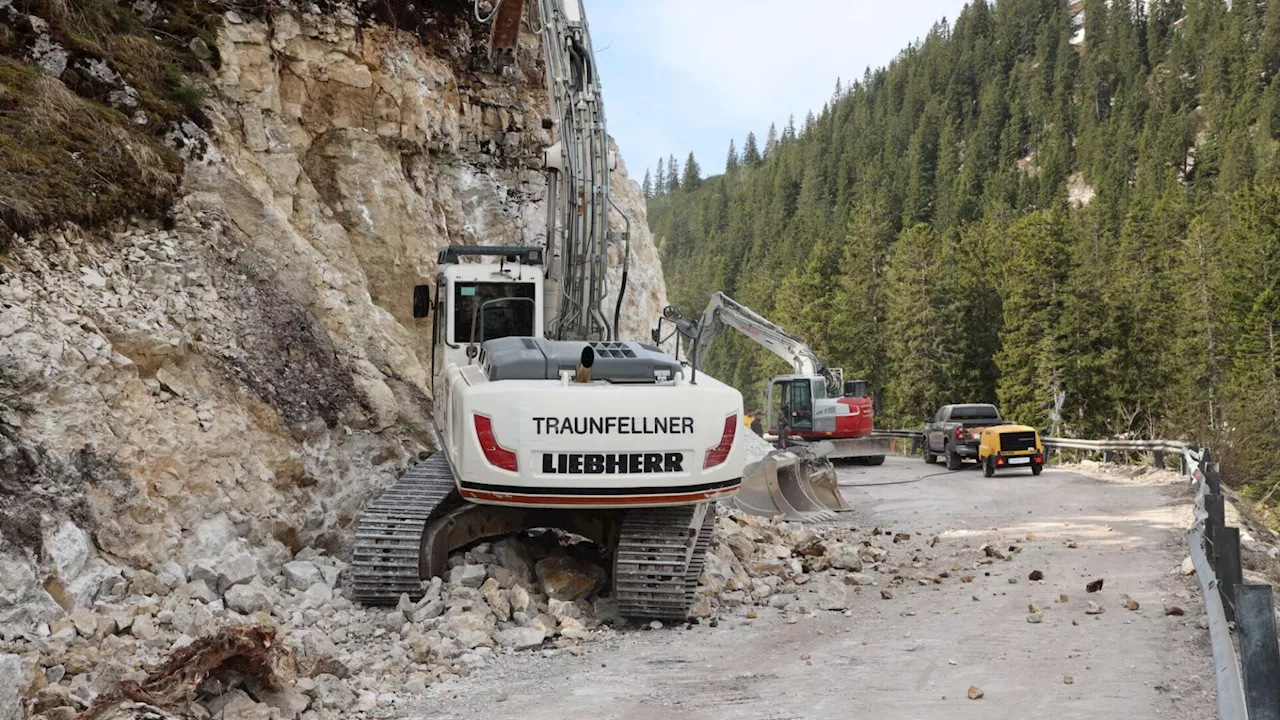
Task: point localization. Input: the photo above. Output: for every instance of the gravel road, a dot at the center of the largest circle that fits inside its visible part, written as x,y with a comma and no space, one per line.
916,654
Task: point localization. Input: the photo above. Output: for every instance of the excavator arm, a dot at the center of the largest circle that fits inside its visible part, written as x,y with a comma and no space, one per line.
723,311
582,304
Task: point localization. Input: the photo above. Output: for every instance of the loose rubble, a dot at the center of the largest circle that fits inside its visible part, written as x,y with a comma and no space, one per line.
540,590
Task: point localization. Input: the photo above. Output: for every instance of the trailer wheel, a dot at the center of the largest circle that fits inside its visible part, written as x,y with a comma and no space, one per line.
1036,469
988,467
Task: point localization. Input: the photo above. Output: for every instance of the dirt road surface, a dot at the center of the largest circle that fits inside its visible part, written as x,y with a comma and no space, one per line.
916,655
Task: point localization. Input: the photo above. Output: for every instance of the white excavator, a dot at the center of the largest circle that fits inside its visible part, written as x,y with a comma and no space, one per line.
544,418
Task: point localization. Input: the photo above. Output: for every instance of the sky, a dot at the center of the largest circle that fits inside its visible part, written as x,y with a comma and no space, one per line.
682,75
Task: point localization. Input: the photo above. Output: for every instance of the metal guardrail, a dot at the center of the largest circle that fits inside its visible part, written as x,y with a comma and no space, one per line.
1232,704
1248,681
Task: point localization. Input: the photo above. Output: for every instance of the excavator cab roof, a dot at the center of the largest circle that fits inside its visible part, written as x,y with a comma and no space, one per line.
524,255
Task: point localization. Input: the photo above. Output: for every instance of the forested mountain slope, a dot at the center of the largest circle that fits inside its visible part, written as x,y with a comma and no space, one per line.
1038,197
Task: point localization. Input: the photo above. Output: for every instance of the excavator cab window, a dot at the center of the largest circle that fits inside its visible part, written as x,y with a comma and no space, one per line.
512,315
797,401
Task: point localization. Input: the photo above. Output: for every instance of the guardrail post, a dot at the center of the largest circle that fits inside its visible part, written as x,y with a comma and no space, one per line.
915,445
1226,548
1108,456
1215,507
1158,460
1260,655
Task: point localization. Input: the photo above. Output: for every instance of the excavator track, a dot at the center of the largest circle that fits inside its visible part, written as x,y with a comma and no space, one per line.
659,558
387,557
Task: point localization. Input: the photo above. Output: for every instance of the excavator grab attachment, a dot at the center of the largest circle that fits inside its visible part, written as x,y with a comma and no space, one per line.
797,483
504,36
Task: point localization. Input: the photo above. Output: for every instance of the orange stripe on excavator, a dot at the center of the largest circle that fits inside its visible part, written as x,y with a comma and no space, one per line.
505,34
627,500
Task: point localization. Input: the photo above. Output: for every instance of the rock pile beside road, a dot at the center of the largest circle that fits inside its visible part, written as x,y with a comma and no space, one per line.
540,592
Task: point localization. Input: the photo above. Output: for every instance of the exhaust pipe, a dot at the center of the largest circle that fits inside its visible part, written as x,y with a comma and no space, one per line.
584,365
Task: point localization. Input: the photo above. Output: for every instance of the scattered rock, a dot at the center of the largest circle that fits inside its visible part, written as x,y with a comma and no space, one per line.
844,556
833,594
886,595
564,578
1188,566
1129,603
12,684
249,599
1094,586
521,638
1035,618
301,574
1068,680
1093,608
1035,575
472,576
1174,611
975,692
1062,598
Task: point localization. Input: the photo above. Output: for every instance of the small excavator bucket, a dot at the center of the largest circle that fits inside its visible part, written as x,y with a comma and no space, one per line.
796,484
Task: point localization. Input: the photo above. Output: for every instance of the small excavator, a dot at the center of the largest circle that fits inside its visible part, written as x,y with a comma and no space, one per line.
814,416
544,417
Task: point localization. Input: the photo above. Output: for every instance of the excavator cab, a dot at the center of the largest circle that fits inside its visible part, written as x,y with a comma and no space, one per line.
790,400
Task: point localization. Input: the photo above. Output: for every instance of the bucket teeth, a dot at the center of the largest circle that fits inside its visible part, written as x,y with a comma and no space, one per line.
386,559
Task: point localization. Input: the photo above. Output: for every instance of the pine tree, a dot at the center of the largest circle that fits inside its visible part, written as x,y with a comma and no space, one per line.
731,162
647,186
750,151
771,141
789,132
660,179
1031,356
673,174
692,178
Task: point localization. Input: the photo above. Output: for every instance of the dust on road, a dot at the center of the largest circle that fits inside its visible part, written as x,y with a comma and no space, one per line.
917,654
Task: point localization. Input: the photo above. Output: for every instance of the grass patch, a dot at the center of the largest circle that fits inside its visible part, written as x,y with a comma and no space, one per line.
65,158
66,155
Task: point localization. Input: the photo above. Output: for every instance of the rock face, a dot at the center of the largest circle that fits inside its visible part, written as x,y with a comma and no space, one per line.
229,388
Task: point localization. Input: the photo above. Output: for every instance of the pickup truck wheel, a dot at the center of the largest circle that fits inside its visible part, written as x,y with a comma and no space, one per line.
953,459
988,467
929,457
873,460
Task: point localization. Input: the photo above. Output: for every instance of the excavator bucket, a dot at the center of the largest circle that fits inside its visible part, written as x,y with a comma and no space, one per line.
796,484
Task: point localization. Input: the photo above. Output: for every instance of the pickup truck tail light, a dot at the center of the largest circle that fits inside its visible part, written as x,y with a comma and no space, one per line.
959,432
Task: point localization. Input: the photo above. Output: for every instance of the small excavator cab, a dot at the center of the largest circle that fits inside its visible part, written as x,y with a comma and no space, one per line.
421,301
790,400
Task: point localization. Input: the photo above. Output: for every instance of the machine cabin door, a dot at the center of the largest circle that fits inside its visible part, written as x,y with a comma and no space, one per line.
797,404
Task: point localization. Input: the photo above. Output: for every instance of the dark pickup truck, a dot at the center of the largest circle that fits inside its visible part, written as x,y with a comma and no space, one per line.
955,432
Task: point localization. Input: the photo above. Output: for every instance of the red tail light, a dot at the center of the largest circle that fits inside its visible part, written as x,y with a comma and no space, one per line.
497,455
959,432
718,454
1039,460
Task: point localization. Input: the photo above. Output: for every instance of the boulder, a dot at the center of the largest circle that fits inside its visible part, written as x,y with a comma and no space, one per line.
521,638
199,590
332,694
472,576
497,599
235,570
512,556
833,594
844,556
564,578
67,549
145,582
12,683
250,598
302,574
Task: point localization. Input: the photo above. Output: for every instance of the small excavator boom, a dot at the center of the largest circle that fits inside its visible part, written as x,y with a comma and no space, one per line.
723,311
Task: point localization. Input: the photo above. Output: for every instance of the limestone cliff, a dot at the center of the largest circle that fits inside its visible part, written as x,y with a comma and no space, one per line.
243,372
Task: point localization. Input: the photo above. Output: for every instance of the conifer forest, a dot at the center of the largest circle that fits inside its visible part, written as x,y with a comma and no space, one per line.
1038,198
